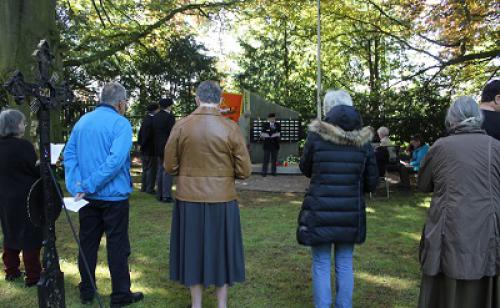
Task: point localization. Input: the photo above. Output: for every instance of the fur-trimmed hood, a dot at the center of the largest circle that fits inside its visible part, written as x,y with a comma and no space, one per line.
339,136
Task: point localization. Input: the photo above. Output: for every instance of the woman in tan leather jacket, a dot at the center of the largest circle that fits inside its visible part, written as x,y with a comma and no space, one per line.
207,153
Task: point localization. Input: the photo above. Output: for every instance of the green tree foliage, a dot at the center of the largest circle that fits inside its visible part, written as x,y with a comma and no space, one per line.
148,45
402,60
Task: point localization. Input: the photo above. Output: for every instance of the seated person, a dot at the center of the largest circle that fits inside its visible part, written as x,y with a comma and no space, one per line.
382,157
383,134
418,153
382,152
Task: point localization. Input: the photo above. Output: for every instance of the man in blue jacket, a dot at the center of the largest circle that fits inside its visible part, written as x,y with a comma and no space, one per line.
97,167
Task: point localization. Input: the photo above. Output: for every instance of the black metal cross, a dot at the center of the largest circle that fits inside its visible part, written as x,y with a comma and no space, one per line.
47,94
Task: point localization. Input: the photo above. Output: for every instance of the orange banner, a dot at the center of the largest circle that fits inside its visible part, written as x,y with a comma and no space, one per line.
231,106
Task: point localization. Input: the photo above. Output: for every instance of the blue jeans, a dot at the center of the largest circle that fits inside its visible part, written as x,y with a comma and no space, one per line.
344,276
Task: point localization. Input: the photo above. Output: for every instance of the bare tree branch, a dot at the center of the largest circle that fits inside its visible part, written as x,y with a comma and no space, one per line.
462,59
135,37
494,73
98,13
399,39
105,12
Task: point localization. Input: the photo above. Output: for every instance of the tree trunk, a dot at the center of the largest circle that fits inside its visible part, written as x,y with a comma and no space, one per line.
23,23
376,66
286,63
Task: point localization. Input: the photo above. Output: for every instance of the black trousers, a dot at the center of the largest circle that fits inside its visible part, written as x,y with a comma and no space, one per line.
404,175
149,165
97,218
270,154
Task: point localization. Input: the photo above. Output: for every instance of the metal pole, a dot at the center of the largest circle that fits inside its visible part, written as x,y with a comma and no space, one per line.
318,60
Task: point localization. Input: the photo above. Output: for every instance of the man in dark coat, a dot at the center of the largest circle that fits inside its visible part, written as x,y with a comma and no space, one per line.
270,134
490,107
163,122
148,157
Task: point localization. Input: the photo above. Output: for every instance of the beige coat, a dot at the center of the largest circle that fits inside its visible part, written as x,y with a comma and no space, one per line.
207,153
461,234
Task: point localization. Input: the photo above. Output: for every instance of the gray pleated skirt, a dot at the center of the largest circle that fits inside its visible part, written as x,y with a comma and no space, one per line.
443,292
206,244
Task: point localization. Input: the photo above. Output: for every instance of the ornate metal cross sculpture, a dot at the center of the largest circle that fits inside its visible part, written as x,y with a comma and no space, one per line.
47,95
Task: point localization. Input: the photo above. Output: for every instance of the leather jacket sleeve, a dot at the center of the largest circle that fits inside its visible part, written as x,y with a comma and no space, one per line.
171,158
242,163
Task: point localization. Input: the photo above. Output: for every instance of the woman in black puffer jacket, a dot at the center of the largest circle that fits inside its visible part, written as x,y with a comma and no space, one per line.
339,159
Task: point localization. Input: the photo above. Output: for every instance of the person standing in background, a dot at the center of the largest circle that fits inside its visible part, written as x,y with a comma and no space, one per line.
146,142
490,107
18,172
270,134
163,122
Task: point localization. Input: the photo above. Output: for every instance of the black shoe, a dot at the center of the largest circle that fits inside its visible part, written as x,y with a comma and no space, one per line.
264,175
167,200
132,298
274,174
152,192
13,277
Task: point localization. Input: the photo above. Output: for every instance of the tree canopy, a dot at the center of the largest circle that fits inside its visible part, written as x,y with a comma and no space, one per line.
403,61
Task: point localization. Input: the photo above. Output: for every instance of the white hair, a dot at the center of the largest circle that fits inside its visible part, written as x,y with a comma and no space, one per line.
383,131
336,98
464,112
209,92
113,93
10,123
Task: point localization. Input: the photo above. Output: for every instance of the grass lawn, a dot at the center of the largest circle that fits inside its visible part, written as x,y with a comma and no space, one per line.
277,268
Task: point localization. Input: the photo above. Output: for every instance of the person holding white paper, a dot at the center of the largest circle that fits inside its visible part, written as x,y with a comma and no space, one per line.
97,167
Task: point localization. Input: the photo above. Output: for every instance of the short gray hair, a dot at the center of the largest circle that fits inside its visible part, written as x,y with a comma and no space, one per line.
113,93
209,92
336,98
10,120
383,131
464,112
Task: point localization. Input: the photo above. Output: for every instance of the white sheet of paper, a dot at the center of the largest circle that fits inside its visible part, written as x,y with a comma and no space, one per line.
73,205
55,152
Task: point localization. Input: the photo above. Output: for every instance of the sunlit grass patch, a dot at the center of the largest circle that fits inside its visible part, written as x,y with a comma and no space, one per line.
277,268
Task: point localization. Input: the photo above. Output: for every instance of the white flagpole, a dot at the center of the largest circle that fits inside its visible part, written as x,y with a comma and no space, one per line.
318,60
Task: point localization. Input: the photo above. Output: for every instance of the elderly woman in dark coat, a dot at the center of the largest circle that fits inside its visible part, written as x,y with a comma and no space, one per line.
17,173
460,246
339,159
